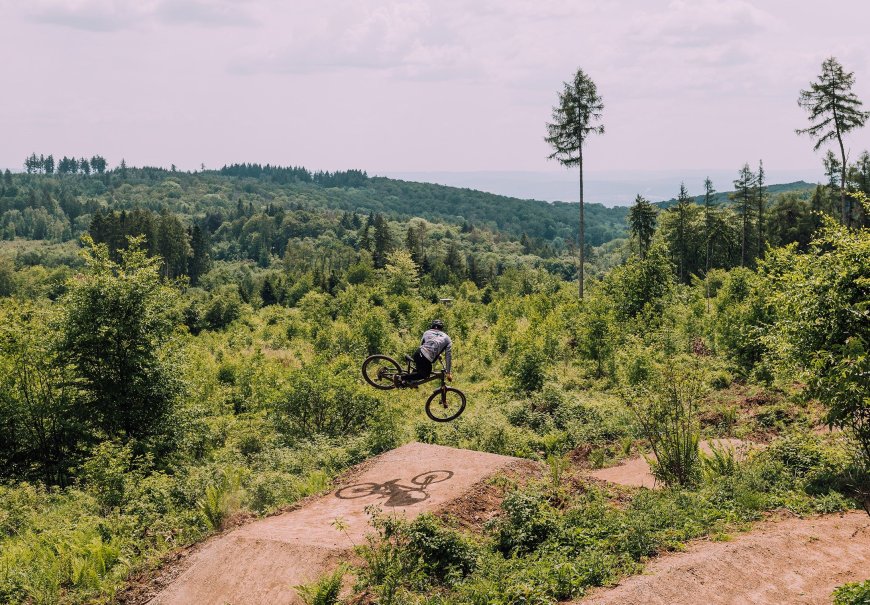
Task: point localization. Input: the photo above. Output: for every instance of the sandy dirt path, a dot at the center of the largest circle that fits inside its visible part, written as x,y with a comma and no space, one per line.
262,561
796,561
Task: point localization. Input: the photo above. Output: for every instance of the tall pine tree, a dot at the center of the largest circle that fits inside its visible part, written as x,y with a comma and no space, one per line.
834,111
744,196
642,223
575,118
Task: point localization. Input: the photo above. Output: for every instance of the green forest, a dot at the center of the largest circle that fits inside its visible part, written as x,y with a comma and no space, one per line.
180,353
181,350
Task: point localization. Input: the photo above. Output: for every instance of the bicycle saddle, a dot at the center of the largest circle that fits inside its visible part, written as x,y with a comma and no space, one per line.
408,358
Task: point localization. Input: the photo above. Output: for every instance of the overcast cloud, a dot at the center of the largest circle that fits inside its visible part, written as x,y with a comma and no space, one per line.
419,85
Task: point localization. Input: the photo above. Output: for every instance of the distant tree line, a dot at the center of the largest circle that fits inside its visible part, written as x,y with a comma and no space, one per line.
299,174
45,164
710,235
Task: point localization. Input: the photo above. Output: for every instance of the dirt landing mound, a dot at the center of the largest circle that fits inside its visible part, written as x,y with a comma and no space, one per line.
636,471
798,561
262,561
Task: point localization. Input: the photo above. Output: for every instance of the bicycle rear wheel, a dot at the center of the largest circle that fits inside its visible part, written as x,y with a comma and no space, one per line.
361,490
445,404
380,371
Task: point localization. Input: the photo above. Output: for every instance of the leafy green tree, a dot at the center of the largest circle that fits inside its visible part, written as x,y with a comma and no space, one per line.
323,400
98,163
641,285
454,262
7,276
791,221
401,273
596,340
173,245
115,332
743,313
834,112
268,292
642,223
41,427
709,192
415,240
383,241
681,245
575,118
200,254
822,297
223,307
360,272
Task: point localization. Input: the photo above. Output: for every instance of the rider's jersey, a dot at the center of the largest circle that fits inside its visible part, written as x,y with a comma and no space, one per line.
434,343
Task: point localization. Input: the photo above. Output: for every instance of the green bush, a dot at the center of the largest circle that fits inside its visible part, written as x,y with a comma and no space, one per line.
408,556
666,408
527,522
854,593
221,498
528,369
223,308
323,398
324,591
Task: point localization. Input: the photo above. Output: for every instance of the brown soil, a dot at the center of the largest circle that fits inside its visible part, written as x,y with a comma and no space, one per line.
636,472
796,561
482,502
262,561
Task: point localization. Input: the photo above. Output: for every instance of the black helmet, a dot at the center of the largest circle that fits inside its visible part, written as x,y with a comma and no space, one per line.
436,324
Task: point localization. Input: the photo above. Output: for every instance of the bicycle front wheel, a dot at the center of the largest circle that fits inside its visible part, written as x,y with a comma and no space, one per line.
445,404
380,371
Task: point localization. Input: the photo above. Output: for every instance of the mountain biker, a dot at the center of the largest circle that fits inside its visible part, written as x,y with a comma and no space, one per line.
434,342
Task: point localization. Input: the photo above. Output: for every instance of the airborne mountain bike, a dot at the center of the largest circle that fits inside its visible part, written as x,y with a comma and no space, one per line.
444,404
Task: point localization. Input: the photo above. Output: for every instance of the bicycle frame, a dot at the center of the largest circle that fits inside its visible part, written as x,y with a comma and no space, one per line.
435,375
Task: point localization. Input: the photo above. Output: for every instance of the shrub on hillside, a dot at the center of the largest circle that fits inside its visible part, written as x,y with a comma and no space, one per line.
323,398
528,368
825,339
666,407
224,307
853,593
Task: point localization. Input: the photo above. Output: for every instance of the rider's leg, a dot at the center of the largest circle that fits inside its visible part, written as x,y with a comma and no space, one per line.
422,368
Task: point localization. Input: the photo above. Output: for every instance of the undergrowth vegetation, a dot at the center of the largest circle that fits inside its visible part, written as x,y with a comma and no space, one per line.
555,540
139,413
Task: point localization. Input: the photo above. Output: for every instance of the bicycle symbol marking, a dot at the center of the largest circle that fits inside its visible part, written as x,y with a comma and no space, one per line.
394,493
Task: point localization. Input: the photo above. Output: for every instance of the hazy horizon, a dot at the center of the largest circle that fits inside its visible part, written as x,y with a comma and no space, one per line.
609,188
416,85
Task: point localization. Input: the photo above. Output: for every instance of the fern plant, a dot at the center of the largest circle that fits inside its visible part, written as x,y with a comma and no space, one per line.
324,591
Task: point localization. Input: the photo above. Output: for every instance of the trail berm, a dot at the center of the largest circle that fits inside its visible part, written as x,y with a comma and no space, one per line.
261,562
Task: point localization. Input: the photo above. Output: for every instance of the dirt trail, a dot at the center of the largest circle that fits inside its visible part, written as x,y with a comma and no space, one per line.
797,561
636,471
262,561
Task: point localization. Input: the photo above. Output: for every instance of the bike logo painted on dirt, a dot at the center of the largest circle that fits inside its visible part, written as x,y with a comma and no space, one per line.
393,492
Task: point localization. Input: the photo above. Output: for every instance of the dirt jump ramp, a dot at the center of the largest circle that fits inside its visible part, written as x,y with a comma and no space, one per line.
261,562
796,561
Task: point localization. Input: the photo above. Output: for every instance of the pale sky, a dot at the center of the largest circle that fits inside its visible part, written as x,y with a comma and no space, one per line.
419,86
